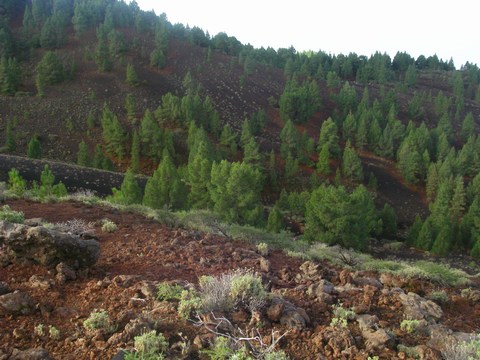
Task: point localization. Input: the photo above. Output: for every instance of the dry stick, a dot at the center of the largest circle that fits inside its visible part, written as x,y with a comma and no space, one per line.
265,349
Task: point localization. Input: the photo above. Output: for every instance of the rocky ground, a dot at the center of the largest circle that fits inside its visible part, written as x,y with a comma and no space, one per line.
42,284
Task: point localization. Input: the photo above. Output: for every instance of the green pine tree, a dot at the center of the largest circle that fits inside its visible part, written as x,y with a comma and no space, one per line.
275,220
129,193
323,164
83,158
351,164
34,148
131,76
135,153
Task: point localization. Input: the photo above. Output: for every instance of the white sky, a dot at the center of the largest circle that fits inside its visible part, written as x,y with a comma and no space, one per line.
339,26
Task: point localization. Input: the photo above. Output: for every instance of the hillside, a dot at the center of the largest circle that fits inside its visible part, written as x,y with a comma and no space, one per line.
365,170
304,297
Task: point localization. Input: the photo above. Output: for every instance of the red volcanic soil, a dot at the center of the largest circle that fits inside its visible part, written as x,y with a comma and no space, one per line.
143,252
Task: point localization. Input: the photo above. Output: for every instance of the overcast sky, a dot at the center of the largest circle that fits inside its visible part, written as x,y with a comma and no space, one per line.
339,26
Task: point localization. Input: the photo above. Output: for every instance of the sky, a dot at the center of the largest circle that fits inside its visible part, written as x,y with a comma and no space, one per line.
419,27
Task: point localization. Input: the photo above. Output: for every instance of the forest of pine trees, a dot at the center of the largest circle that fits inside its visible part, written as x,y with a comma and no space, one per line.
197,160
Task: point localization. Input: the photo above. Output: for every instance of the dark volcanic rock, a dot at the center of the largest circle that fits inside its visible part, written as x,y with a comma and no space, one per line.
30,354
17,303
47,247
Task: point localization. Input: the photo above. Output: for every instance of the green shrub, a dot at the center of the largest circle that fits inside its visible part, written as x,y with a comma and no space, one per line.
462,350
54,333
440,296
10,215
439,273
221,350
16,183
223,293
189,301
148,346
262,249
276,355
442,274
246,288
150,343
341,316
39,330
98,320
409,326
167,292
109,226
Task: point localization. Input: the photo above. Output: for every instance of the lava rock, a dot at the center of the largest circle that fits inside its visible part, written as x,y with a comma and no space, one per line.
17,303
48,247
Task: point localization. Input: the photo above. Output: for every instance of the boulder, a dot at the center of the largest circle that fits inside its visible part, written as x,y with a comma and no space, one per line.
265,265
17,303
40,282
275,311
364,281
287,314
30,354
417,308
375,337
64,273
47,247
4,288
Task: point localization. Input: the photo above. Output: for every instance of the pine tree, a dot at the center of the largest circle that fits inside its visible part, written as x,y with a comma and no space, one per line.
251,153
414,230
457,204
425,236
389,221
165,188
10,143
444,126
135,153
10,76
246,135
198,170
131,76
98,157
34,149
475,252
291,169
468,127
443,241
16,183
130,107
432,182
272,171
47,187
102,51
409,160
351,164
151,136
410,76
323,164
50,70
361,136
335,217
235,192
329,137
228,140
275,220
290,140
349,127
113,133
129,193
83,159
157,59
